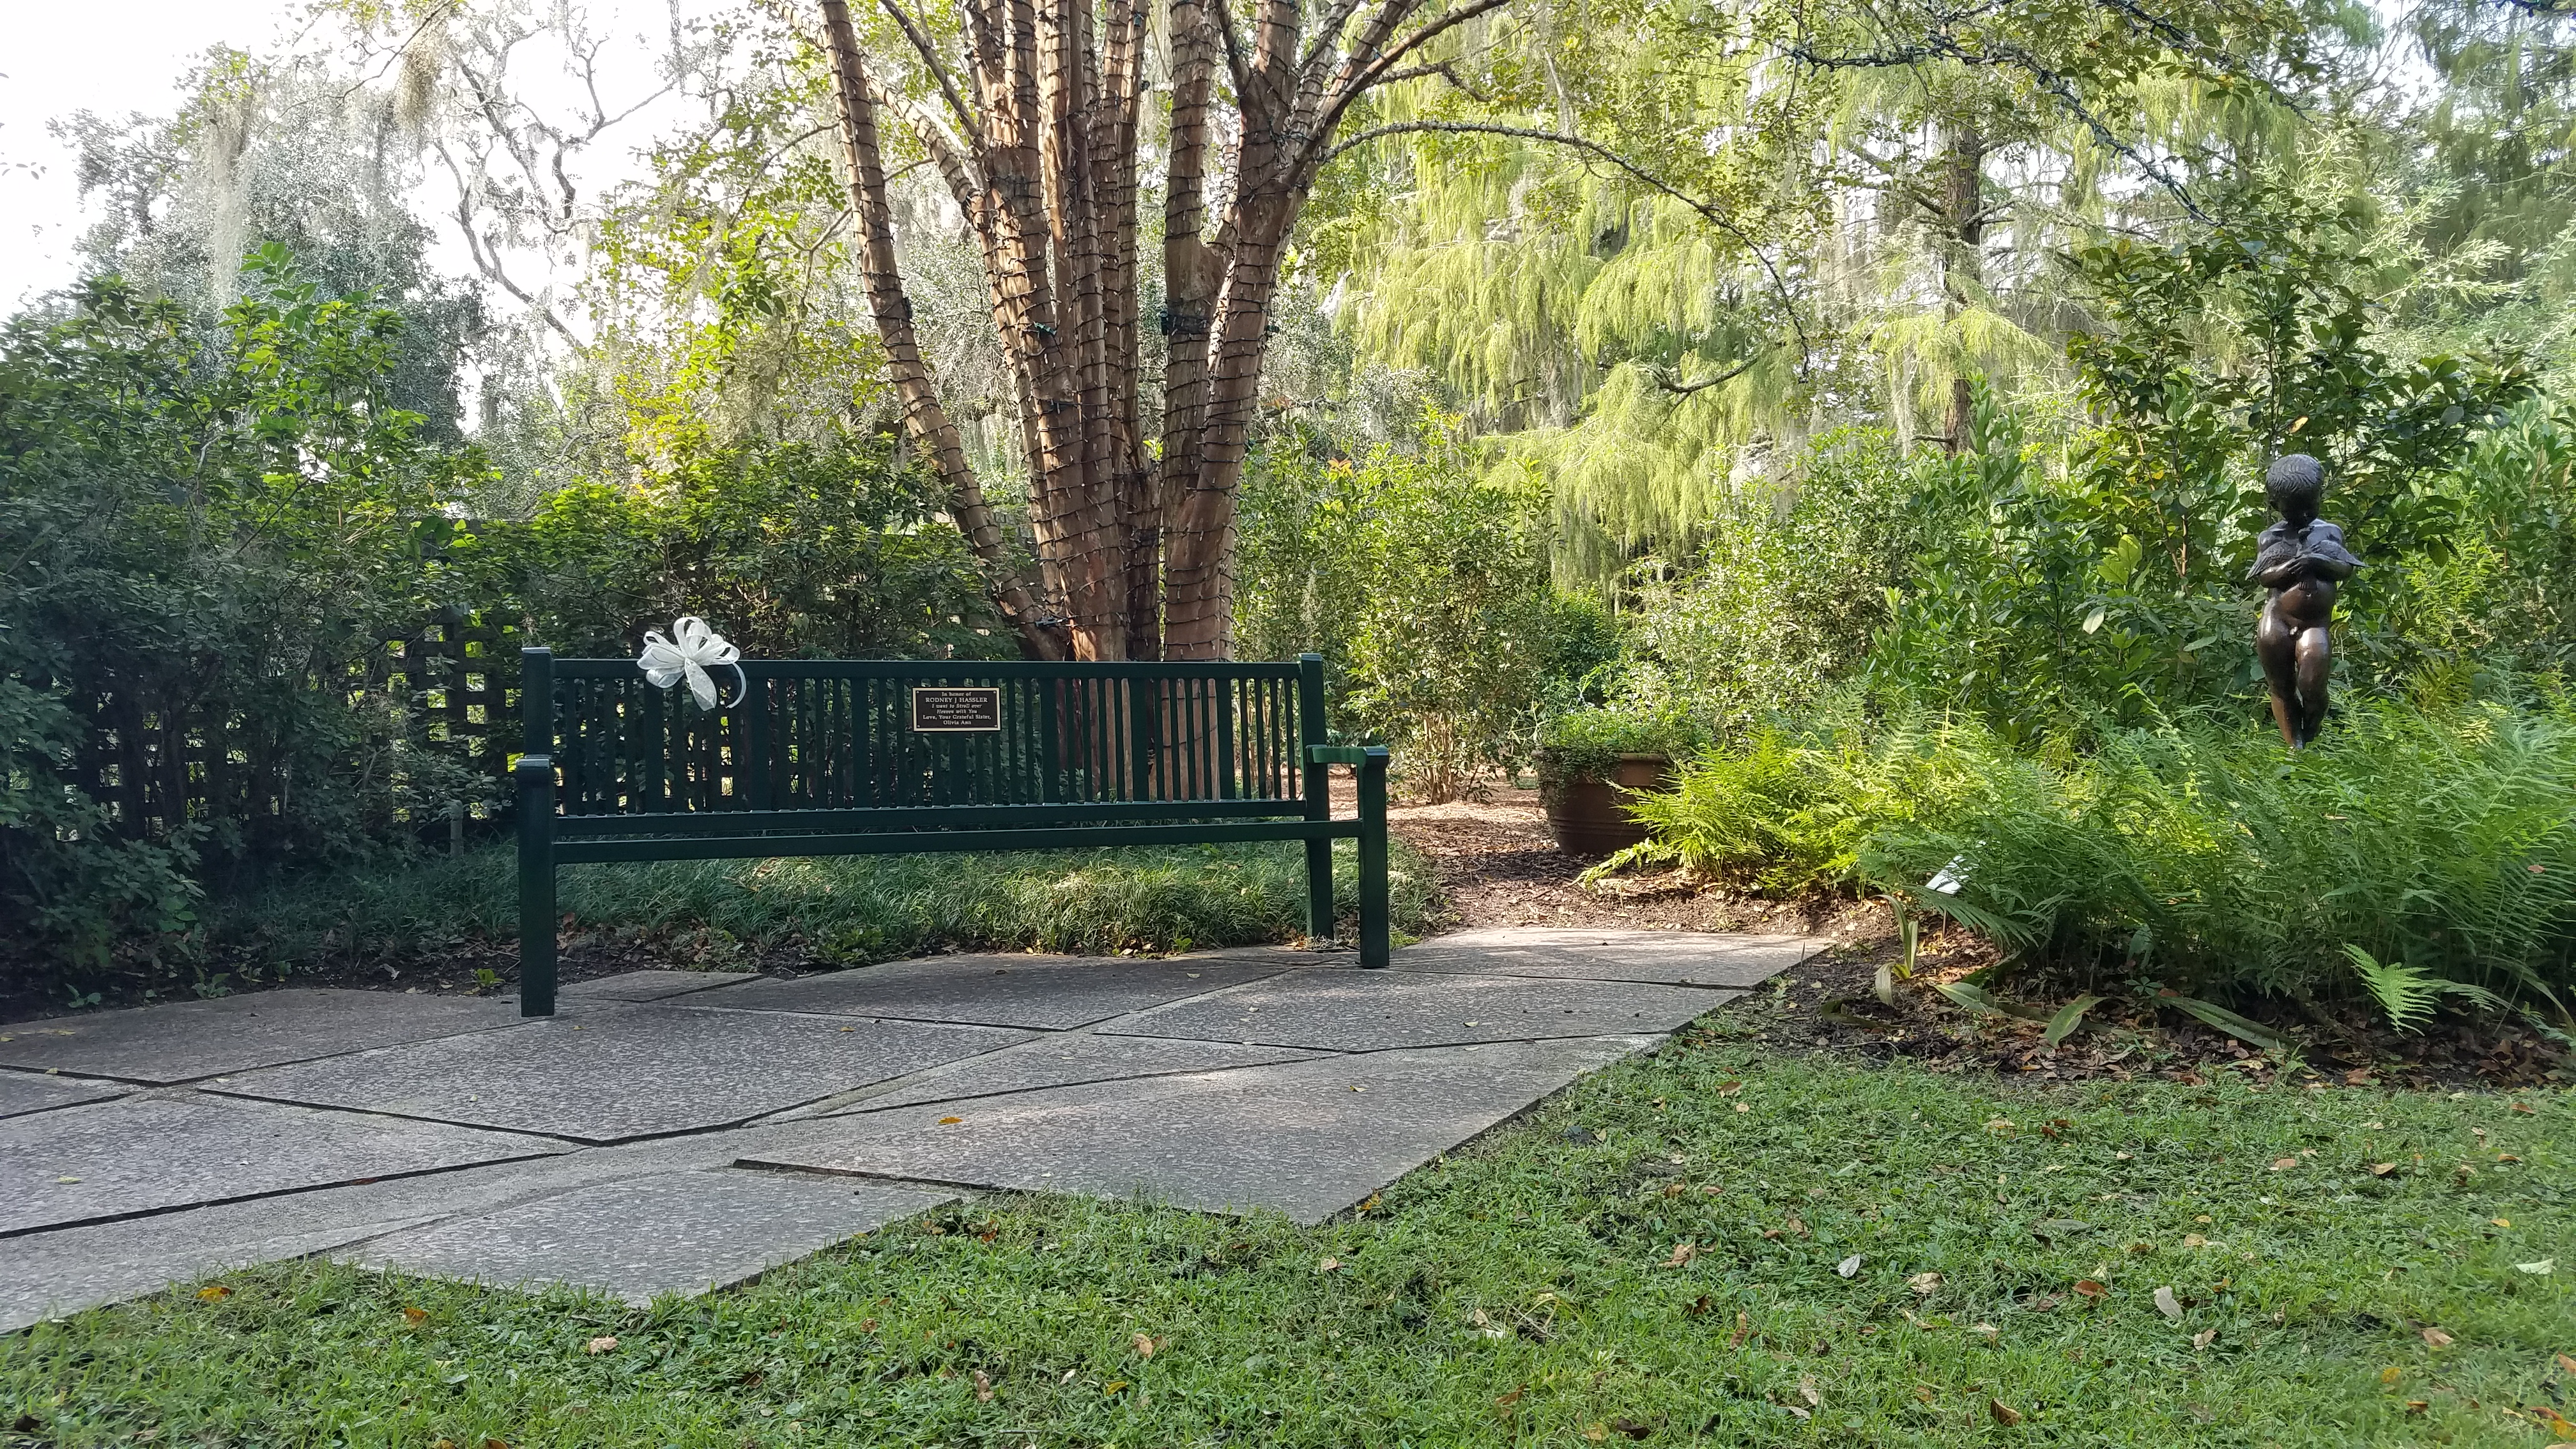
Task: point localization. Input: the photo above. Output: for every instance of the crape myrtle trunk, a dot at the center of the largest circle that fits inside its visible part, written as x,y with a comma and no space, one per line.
1033,123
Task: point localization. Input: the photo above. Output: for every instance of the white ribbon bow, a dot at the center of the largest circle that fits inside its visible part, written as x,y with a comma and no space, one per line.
697,650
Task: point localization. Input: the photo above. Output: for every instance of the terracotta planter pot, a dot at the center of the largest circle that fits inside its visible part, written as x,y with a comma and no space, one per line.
1587,816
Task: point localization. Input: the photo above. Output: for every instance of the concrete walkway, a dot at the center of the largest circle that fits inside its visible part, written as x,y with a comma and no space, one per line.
675,1131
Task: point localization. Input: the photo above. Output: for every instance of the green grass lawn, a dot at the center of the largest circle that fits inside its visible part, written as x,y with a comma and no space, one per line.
839,908
1528,1290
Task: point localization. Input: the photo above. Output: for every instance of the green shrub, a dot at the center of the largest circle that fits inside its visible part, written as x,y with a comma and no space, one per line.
1786,810
204,533
1586,743
2208,860
1425,587
788,549
2199,857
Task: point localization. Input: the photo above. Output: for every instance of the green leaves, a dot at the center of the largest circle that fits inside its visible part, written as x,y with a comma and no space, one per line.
2406,994
2251,1032
2068,1018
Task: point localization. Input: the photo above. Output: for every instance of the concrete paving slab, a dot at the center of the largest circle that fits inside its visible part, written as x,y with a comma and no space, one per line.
680,1232
1381,1010
1308,1139
63,1269
608,1073
24,1092
183,1041
156,1151
1050,992
652,985
1677,958
102,1263
1062,1061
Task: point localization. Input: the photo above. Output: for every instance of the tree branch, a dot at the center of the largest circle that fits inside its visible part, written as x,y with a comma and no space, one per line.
929,53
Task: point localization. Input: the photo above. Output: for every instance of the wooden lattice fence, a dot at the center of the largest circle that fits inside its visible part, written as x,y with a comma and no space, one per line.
433,717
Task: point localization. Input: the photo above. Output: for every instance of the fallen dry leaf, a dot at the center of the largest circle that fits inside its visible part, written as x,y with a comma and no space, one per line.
2194,1240
1986,1331
605,1343
415,1315
1505,1401
1632,1428
2437,1338
2391,1374
2382,1169
2204,1338
2168,1305
1849,1267
1797,1227
983,1387
2417,1406
1328,1265
2005,1414
2087,1288
950,1121
2523,1108
214,1293
2283,1163
2567,1364
1808,1391
1926,1284
494,1444
1744,1325
1682,1254
1144,1346
1113,1386
1697,1307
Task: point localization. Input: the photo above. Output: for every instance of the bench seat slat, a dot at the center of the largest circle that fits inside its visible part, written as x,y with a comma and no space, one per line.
939,670
911,817
931,842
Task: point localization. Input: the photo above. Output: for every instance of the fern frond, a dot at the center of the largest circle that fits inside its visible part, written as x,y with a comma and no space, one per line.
2408,994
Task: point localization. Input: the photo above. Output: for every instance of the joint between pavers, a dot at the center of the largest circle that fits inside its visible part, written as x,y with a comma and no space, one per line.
396,1175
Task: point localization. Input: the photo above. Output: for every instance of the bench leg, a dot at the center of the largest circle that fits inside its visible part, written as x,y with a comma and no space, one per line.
1319,890
536,886
1375,931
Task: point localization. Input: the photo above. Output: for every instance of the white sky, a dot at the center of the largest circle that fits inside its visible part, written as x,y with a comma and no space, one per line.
62,58
59,57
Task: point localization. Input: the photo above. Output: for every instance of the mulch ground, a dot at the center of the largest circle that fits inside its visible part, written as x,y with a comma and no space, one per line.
1498,866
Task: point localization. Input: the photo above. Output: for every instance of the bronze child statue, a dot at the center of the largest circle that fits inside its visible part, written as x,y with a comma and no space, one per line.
2300,559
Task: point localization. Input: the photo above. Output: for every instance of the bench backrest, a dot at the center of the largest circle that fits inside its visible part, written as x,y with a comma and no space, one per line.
929,741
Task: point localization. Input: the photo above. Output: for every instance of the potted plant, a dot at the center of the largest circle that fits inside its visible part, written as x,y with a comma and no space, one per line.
1591,760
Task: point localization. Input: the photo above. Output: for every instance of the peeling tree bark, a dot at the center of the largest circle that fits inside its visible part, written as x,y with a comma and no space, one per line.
1035,128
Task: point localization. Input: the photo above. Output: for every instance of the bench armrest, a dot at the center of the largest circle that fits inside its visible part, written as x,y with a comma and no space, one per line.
1336,755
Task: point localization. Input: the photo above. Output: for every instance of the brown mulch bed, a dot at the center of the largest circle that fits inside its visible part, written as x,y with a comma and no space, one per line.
1498,866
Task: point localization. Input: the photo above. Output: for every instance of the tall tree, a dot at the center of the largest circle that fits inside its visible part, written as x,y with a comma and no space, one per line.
1031,113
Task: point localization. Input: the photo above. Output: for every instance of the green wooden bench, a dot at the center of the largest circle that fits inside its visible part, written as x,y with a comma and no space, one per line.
868,756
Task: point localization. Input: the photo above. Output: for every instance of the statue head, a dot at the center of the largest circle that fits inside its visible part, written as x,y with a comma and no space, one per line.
2297,487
